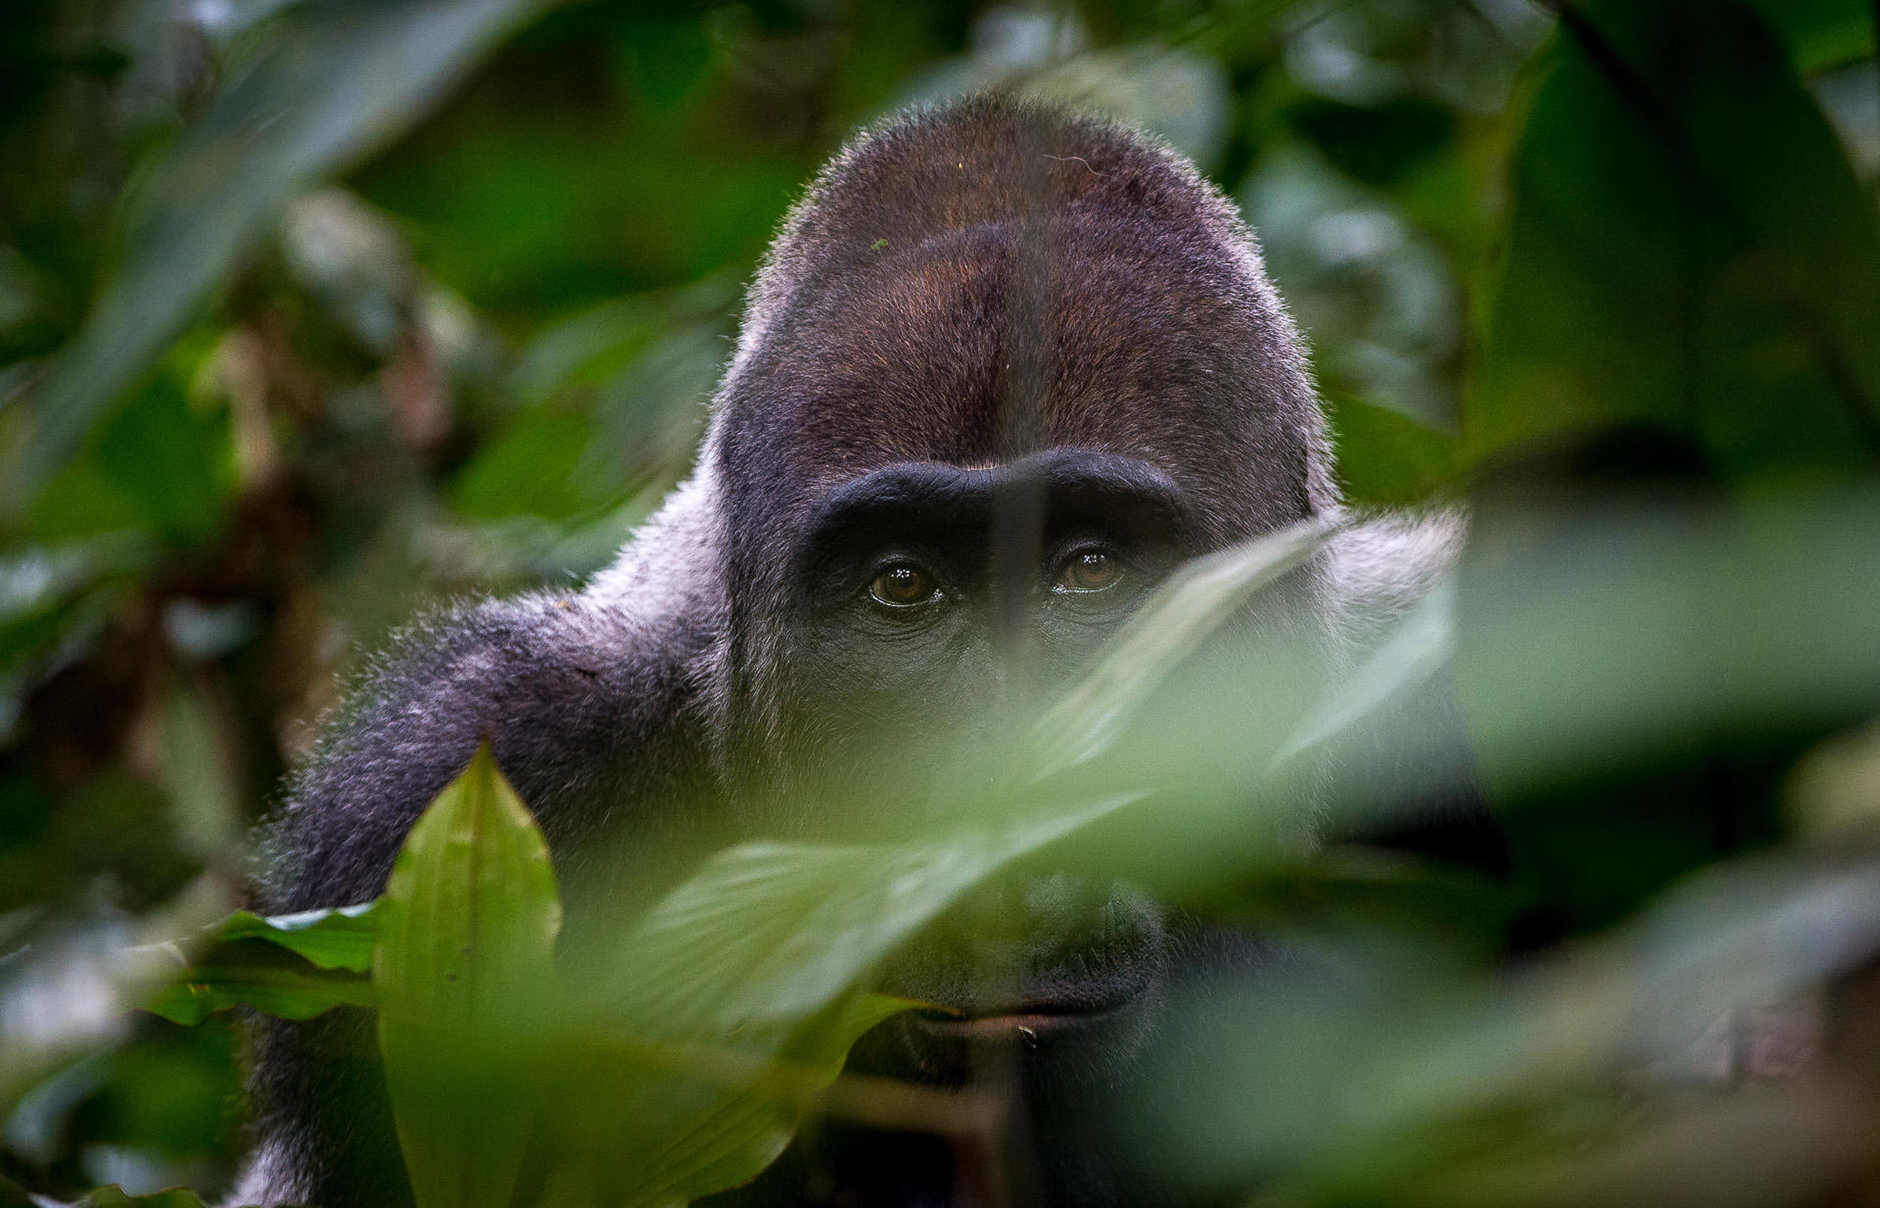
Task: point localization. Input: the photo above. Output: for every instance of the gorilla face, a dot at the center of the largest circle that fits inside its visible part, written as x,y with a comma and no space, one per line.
1004,371
927,626
1004,368
924,618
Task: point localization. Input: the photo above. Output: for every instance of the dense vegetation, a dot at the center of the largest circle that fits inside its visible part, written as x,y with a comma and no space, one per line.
314,310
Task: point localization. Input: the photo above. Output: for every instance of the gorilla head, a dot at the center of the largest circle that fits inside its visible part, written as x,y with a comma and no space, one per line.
1003,370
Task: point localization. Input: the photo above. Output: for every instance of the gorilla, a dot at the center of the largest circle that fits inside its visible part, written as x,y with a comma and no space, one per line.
1004,369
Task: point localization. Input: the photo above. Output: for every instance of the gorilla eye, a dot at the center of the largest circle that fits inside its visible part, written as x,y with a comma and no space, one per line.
902,585
1088,570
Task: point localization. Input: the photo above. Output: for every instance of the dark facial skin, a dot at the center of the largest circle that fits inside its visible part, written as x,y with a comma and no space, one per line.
918,625
922,637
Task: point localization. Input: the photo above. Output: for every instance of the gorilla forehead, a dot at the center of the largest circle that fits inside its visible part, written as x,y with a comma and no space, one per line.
993,279
929,356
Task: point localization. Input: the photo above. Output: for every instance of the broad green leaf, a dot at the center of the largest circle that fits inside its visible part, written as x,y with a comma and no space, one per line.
1690,252
160,465
1416,648
531,468
332,939
294,966
325,84
743,1136
1589,641
1176,623
769,934
464,974
724,1113
251,973
1385,457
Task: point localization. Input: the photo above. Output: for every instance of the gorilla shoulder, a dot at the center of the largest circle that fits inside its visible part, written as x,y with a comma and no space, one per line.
587,698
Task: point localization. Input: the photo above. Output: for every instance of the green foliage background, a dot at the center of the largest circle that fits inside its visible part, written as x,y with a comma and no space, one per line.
314,310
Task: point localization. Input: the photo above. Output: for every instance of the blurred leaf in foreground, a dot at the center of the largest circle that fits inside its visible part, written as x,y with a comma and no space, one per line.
1566,1082
1690,252
324,84
744,977
1823,33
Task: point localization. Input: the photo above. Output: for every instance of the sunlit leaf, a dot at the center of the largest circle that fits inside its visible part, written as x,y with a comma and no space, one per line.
464,974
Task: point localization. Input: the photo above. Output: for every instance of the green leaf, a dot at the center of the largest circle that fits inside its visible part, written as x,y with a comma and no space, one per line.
14,1196
294,966
531,468
251,973
464,973
160,464
1176,623
1690,252
1597,641
327,83
748,1115
1417,647
331,939
769,934
1822,33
